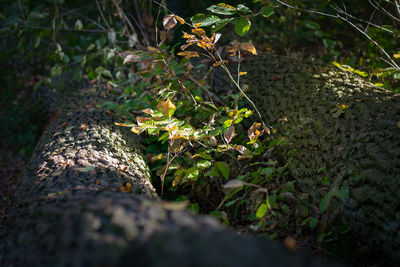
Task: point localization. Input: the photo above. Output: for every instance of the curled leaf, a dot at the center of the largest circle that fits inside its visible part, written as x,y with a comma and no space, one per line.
249,47
254,132
189,54
169,21
199,31
218,63
232,184
131,58
215,37
188,36
167,107
229,134
181,20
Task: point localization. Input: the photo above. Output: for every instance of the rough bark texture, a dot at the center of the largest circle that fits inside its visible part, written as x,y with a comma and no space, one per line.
357,148
71,215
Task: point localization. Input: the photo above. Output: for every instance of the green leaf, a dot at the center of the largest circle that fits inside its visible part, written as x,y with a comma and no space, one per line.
243,9
192,173
194,207
56,70
223,168
213,172
222,9
268,172
323,205
242,26
313,223
343,193
311,25
219,25
201,20
262,210
267,11
203,164
100,71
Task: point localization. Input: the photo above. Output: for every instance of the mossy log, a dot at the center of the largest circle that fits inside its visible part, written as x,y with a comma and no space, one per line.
338,130
72,211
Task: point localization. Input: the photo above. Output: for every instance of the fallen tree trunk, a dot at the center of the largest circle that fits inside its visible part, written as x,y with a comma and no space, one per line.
338,130
75,207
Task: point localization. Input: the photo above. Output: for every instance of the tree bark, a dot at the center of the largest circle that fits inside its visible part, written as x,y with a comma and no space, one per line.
339,129
72,211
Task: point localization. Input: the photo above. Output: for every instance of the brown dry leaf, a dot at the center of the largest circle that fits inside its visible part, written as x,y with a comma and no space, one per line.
169,21
131,58
97,181
254,132
199,31
148,111
167,107
229,134
141,120
249,47
126,189
266,129
218,63
83,127
291,243
183,47
177,179
189,54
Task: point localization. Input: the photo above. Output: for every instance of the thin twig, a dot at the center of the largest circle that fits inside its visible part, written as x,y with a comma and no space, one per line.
102,15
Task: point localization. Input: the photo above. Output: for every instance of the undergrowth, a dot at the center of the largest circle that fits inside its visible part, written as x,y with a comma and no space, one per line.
213,151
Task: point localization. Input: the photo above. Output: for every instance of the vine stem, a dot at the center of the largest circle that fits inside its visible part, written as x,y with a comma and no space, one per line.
240,89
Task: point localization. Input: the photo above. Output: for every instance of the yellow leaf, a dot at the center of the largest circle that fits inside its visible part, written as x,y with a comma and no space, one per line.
177,178
253,133
248,47
135,130
227,6
199,31
167,107
124,124
188,54
218,63
187,36
396,55
155,158
181,20
242,73
197,24
204,44
128,187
